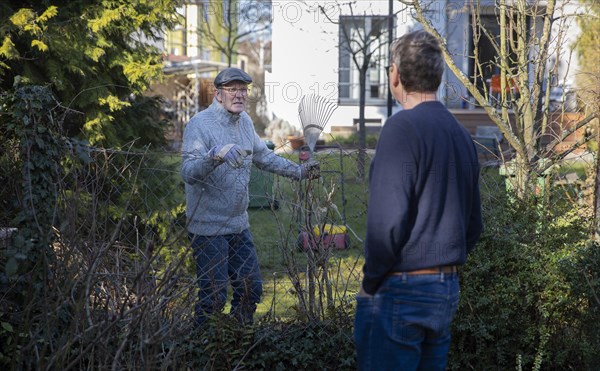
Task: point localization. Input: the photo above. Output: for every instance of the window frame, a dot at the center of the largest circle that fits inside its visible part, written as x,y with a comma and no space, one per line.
348,74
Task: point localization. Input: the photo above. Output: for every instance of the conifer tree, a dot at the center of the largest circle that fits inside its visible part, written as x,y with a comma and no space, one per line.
96,56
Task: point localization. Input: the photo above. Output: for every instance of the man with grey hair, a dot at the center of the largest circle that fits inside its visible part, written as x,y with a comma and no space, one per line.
423,218
219,147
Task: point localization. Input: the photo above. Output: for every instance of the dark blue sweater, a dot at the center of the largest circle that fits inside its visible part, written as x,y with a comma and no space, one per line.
424,208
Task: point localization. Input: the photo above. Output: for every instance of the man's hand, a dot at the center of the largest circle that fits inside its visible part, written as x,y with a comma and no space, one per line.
363,293
231,154
310,170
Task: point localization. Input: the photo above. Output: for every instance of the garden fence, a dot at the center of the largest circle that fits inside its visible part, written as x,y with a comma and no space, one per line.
124,270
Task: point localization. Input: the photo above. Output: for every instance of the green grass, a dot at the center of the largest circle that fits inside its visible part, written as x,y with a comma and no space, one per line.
276,231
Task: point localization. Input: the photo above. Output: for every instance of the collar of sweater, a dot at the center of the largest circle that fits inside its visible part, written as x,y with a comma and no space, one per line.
223,115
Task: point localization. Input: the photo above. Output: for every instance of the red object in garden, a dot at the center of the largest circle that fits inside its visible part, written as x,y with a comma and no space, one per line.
333,236
305,153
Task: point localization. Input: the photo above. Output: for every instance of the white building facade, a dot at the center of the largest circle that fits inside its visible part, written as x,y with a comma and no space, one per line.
308,56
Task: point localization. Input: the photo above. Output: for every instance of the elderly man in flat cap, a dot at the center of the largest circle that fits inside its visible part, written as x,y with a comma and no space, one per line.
219,148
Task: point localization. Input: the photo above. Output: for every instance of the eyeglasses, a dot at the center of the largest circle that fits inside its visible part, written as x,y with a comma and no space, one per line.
387,69
233,91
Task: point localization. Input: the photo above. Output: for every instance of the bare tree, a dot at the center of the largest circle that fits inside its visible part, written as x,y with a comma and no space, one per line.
530,33
257,51
588,85
361,36
227,23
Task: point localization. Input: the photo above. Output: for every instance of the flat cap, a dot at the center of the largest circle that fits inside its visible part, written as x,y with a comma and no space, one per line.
232,74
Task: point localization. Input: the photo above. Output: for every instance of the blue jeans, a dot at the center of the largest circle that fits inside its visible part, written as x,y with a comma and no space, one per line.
220,259
406,324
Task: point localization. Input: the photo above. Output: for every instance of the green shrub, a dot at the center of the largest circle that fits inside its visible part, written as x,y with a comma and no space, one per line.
274,345
524,301
582,272
352,140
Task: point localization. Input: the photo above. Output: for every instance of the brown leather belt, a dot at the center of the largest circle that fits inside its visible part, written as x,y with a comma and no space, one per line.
434,270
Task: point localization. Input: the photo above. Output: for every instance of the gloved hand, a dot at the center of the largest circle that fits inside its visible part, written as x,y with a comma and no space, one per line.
310,170
231,154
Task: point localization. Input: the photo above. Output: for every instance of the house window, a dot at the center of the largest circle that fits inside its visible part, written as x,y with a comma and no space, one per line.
176,39
484,69
362,38
206,11
226,15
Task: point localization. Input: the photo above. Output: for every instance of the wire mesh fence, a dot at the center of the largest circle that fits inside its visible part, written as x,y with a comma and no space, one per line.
123,268
131,208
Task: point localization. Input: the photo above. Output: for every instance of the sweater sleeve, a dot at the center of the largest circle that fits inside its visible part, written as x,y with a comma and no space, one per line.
196,164
391,185
266,159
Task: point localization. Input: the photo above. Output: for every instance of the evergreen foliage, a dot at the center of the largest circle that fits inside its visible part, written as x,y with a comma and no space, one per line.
94,55
526,300
588,47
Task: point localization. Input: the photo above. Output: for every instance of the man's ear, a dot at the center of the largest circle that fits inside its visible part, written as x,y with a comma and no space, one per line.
217,96
395,76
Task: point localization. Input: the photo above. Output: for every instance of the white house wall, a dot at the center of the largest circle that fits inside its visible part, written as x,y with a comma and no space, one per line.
305,52
565,54
305,58
193,42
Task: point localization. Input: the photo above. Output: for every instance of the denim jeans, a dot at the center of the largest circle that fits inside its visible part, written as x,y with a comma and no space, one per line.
220,259
406,324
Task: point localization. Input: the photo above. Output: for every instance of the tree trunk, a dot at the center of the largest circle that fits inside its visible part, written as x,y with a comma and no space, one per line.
362,135
530,75
521,177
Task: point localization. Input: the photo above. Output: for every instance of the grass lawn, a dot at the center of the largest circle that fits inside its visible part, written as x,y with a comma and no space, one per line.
276,232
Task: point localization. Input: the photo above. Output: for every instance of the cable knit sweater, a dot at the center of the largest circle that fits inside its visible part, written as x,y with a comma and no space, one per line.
217,194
